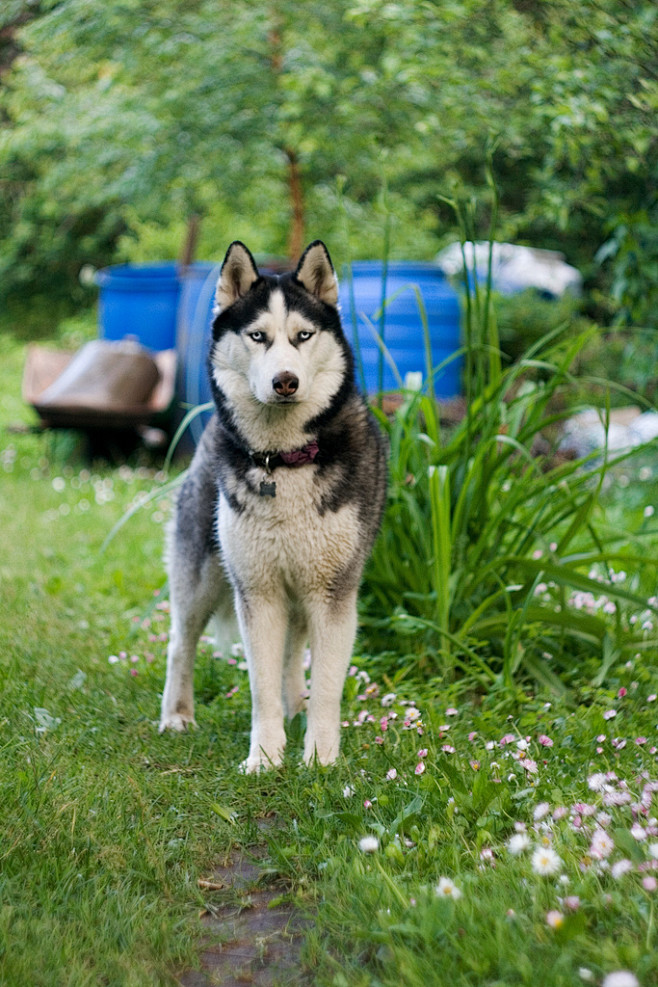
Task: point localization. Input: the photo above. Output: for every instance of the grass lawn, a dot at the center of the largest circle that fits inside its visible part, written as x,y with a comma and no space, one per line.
496,838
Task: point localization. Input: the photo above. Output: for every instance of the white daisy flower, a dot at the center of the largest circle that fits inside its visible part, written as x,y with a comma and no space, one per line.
545,861
446,888
518,843
541,810
596,782
369,844
621,978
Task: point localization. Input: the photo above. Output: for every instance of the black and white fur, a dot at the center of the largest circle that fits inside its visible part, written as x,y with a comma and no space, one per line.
282,376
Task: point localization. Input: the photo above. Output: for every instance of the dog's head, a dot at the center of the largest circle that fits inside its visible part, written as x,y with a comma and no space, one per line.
278,340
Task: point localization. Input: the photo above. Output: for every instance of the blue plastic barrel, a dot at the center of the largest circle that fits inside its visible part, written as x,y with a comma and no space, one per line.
400,324
193,335
139,300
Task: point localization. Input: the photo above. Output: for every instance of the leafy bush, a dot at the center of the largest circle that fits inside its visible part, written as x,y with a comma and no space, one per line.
629,356
633,250
494,560
524,318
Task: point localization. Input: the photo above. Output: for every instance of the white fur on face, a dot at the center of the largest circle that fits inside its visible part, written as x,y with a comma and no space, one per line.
245,370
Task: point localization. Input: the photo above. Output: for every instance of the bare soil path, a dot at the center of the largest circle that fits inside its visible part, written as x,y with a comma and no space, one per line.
259,943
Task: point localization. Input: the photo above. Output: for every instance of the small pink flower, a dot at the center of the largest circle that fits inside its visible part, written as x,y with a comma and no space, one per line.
572,902
472,736
367,804
423,752
509,738
621,867
649,883
545,741
602,845
529,765
609,714
134,672
640,740
616,798
622,692
448,749
555,919
391,775
451,711
638,832
584,808
420,767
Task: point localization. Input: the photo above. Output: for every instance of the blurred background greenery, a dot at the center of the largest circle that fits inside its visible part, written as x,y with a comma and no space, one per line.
278,121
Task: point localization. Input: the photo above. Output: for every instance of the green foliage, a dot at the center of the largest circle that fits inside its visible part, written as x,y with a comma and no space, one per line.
525,318
633,248
488,550
218,109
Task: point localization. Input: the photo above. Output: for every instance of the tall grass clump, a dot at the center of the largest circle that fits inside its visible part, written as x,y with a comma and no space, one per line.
495,561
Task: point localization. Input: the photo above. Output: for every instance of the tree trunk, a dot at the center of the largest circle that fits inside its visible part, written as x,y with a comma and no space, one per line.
296,234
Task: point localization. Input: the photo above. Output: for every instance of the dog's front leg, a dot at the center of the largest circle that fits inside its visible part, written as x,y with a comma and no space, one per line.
263,623
332,633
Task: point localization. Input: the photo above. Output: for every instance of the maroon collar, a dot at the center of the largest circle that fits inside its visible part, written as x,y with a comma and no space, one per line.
297,457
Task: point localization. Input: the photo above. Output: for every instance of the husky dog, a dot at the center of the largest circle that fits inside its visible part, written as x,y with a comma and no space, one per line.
281,504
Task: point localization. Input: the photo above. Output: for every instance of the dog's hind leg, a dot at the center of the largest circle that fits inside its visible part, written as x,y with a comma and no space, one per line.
294,680
332,633
194,598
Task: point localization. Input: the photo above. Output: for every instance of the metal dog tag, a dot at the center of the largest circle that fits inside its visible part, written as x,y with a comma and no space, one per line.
268,488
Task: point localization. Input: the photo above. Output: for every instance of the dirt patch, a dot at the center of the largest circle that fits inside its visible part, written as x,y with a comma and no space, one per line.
260,943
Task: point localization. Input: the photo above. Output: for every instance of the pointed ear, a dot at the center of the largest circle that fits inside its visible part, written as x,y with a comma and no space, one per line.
238,273
316,273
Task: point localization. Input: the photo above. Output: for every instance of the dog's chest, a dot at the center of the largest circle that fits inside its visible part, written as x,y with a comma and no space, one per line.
288,538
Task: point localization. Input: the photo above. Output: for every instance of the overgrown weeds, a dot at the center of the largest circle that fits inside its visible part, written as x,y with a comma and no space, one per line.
493,537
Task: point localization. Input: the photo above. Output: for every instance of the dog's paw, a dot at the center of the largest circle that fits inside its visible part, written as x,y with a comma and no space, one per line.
254,764
321,754
179,722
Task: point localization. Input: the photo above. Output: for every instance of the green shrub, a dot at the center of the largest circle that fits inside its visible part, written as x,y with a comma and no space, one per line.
495,561
525,318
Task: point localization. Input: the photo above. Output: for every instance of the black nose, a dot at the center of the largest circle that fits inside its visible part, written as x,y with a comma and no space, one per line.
285,383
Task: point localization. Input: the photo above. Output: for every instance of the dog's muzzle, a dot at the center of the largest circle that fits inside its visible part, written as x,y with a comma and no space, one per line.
285,384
